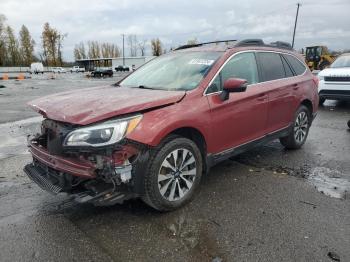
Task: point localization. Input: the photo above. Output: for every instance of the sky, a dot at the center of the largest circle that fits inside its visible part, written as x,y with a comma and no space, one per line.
320,22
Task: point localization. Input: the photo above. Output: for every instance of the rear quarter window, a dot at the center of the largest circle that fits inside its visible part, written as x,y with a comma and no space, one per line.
298,67
287,68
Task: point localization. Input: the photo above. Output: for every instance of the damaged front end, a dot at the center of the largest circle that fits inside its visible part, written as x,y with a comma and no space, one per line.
91,163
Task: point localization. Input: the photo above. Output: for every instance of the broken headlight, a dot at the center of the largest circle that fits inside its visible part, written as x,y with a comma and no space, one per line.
103,134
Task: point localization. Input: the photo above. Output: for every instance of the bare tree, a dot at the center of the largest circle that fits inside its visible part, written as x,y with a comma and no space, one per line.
61,37
94,49
142,46
116,51
132,43
157,48
79,51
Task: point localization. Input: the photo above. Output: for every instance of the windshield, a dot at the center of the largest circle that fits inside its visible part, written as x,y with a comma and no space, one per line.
174,71
342,61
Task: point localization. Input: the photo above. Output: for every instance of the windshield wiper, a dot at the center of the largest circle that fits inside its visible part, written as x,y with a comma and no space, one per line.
144,87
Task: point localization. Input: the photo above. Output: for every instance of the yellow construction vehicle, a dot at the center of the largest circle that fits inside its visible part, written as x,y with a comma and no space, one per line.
318,57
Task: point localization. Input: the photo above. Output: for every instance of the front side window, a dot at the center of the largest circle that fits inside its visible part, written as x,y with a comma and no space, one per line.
239,66
174,71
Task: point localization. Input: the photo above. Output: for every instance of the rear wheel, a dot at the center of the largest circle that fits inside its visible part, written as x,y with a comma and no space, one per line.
299,131
173,174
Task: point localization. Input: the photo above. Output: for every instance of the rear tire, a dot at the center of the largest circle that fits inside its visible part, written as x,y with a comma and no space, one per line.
299,130
173,174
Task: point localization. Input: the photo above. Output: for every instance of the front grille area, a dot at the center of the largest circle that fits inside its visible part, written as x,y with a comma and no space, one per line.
52,136
335,92
337,78
39,176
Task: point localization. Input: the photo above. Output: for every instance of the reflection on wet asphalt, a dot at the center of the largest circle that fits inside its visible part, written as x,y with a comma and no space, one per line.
13,136
330,182
267,204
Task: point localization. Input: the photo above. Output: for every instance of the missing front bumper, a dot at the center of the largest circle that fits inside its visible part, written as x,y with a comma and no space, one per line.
42,180
56,183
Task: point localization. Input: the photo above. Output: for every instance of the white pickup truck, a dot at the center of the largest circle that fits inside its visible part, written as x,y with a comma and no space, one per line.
77,69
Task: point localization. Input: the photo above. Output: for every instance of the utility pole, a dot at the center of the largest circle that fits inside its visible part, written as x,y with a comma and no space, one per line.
123,51
295,24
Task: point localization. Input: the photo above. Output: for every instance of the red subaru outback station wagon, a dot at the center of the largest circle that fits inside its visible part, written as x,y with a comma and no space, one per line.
154,133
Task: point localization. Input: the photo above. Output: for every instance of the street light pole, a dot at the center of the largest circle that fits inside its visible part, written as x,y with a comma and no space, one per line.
295,24
123,51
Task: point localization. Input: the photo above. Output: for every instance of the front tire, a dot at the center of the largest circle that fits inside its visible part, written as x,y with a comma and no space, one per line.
173,174
299,131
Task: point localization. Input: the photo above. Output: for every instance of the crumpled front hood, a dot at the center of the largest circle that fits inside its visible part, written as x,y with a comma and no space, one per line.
86,106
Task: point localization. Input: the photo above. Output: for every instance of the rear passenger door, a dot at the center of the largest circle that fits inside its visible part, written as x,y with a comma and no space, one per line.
278,78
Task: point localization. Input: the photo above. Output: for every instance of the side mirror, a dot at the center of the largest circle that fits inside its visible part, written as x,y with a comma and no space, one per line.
233,85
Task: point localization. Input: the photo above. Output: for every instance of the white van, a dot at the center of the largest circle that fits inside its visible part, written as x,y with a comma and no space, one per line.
36,68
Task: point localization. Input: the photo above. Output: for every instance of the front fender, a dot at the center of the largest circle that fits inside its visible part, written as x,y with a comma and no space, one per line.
157,124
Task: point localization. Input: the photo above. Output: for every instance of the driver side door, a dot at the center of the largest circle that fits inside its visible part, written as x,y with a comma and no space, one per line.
243,116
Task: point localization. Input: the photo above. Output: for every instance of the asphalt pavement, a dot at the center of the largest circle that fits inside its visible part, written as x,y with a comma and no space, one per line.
267,204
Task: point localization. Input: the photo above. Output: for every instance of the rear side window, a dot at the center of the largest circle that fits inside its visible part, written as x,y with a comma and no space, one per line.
298,67
271,66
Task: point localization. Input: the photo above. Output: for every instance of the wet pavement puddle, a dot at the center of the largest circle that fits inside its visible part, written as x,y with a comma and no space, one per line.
330,182
13,136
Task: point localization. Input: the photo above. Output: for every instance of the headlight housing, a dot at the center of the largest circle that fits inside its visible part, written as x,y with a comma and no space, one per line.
103,134
320,78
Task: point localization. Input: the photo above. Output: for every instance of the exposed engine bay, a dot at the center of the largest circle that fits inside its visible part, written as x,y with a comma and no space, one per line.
100,175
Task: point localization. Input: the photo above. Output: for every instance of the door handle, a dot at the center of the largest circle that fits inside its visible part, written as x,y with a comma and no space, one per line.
295,87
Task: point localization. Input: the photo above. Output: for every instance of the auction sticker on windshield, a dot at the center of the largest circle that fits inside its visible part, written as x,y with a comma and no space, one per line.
201,62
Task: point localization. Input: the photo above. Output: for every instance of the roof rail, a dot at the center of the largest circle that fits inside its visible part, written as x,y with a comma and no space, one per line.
282,44
205,43
249,42
260,42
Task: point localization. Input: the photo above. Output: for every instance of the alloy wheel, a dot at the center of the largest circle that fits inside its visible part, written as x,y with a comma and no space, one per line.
177,174
301,126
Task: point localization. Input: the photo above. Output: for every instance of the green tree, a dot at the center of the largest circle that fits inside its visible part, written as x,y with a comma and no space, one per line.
192,41
157,48
26,46
2,40
12,47
52,41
